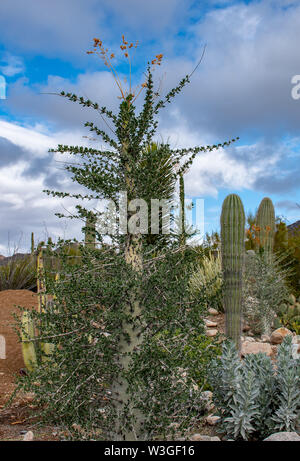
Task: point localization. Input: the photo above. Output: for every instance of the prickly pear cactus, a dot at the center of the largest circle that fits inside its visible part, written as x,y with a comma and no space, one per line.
233,253
265,227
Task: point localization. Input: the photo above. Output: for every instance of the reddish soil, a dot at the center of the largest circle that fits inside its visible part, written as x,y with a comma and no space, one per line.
14,420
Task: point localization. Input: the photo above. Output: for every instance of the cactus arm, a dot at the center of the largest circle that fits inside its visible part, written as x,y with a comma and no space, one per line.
28,348
32,243
47,348
90,237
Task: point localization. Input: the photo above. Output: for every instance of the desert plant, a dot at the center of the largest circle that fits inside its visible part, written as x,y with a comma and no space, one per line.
18,274
265,227
233,250
207,275
121,372
264,291
90,231
32,243
289,314
33,349
255,397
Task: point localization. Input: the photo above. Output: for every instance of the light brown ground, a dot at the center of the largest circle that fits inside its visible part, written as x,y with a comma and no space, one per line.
14,419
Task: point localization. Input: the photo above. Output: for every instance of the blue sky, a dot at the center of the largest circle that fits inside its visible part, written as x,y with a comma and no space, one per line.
241,88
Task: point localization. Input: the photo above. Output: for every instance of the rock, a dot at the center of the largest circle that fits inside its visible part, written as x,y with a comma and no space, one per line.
29,397
278,335
250,339
283,437
274,350
213,311
211,332
209,407
254,347
28,436
204,438
246,328
265,338
206,395
212,420
295,351
209,323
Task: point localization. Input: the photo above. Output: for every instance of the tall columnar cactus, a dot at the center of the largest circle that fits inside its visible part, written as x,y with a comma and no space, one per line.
265,227
32,243
47,348
182,211
90,236
233,252
30,348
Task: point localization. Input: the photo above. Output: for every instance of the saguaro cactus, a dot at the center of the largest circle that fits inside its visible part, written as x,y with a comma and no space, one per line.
32,243
265,227
233,251
90,237
30,348
182,211
47,348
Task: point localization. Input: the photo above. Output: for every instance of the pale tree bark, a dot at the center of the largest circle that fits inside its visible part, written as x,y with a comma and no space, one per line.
134,329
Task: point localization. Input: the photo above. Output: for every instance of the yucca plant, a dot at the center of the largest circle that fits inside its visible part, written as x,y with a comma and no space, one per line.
18,274
208,276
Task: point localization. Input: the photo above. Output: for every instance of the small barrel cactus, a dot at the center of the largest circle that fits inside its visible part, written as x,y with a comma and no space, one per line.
233,253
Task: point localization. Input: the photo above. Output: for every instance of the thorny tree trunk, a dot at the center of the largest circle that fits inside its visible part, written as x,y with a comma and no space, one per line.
120,396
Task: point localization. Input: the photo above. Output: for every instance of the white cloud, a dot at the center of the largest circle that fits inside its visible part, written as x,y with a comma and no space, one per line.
12,66
32,140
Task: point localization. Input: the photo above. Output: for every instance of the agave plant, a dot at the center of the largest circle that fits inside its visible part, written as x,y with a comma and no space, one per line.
208,276
18,274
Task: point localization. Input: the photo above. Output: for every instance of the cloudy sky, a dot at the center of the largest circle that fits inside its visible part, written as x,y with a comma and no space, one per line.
243,87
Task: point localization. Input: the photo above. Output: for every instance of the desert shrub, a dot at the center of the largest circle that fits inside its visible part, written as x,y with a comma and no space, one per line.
18,274
287,243
207,275
255,397
264,291
74,388
289,315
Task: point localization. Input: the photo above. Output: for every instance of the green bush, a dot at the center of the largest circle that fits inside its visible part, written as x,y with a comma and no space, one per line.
264,291
255,397
88,307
